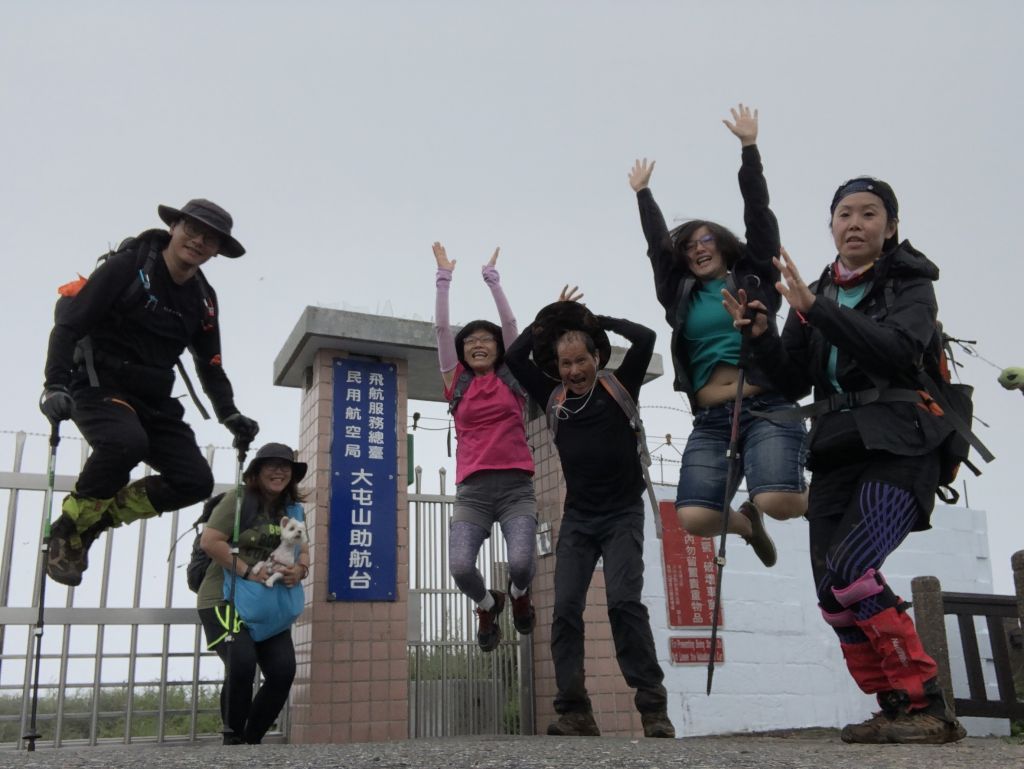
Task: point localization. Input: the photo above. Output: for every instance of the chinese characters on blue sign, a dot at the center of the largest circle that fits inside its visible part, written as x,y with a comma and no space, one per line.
364,493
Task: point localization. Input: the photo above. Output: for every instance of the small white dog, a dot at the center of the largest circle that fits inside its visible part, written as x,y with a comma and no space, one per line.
293,534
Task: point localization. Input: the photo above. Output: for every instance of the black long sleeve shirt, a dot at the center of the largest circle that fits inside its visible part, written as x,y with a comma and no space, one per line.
596,445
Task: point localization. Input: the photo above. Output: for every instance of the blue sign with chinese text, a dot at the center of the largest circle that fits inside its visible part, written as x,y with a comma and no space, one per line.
364,495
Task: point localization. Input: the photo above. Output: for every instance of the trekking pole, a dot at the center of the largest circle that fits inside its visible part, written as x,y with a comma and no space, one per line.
732,476
51,466
232,615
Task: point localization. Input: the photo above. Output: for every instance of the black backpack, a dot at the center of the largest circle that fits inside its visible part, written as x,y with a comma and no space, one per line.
952,401
200,561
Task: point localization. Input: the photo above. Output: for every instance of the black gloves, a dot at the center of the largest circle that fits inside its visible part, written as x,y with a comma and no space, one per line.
243,428
56,403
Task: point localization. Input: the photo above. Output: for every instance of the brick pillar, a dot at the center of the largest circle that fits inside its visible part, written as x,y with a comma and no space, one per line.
352,680
612,699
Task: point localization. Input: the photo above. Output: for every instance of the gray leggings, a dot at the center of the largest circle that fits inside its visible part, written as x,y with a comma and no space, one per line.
465,540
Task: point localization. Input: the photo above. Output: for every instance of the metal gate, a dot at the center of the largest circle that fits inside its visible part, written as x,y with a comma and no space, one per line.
123,659
454,687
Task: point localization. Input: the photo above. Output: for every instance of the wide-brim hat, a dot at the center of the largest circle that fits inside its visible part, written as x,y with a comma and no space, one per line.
553,321
277,451
210,214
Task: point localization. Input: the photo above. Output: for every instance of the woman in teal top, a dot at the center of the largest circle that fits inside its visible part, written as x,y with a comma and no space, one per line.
692,265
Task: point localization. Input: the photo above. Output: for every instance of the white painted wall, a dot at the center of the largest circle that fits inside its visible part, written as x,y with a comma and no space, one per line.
783,667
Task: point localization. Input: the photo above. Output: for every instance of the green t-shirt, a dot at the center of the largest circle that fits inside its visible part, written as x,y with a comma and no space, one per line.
255,543
709,335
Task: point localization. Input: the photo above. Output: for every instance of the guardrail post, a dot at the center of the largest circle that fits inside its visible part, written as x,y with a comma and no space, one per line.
930,618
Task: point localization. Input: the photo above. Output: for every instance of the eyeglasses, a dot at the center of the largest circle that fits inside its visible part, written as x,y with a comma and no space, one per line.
208,235
276,464
706,240
471,340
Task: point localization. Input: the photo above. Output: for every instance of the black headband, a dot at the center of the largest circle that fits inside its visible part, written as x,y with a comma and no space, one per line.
875,187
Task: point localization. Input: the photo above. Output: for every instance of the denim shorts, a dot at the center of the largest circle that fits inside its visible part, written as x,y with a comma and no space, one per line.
772,455
493,496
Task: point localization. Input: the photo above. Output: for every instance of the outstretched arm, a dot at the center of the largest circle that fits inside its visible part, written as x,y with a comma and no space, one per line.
762,228
667,273
509,329
446,357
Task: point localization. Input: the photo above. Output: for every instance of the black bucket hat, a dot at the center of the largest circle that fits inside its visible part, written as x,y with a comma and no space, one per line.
479,325
277,451
212,216
553,321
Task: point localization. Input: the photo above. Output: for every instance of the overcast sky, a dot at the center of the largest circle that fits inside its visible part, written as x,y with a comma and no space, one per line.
345,137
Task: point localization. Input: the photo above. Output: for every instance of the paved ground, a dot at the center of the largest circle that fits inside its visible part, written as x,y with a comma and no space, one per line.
817,749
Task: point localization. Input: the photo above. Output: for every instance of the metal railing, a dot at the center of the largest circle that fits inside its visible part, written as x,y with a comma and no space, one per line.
454,687
123,658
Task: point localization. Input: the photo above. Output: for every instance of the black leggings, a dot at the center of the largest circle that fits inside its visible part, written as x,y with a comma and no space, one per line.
860,513
243,714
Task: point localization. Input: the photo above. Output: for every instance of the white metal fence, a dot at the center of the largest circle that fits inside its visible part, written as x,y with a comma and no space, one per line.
454,687
123,657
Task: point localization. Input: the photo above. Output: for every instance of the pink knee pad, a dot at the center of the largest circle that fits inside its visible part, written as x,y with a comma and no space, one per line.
868,584
845,618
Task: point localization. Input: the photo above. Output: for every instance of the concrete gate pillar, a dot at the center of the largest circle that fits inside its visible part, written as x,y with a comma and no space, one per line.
351,684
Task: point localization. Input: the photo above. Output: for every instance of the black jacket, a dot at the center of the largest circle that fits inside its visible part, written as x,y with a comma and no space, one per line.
138,344
880,343
753,271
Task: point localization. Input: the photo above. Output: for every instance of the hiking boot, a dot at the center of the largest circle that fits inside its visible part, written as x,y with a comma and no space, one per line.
916,728
874,731
67,558
523,615
763,546
488,634
575,724
657,725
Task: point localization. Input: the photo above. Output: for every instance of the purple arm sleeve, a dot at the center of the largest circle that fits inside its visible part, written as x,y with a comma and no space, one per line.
509,328
446,356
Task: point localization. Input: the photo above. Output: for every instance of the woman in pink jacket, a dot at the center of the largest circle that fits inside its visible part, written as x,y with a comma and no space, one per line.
493,464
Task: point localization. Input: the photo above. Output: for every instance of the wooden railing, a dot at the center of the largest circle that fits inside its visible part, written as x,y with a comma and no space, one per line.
1004,619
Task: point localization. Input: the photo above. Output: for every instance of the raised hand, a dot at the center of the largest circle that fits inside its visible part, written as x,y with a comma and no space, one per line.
741,311
743,125
570,294
489,271
443,263
640,174
792,286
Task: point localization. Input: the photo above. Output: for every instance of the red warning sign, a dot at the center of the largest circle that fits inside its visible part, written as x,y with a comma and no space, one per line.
689,573
694,651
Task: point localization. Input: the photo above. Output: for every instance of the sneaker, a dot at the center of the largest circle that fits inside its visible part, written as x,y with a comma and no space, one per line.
657,725
575,724
523,615
763,546
67,558
488,634
917,728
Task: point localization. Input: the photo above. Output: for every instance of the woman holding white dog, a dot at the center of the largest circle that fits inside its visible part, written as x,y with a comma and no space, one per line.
259,633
